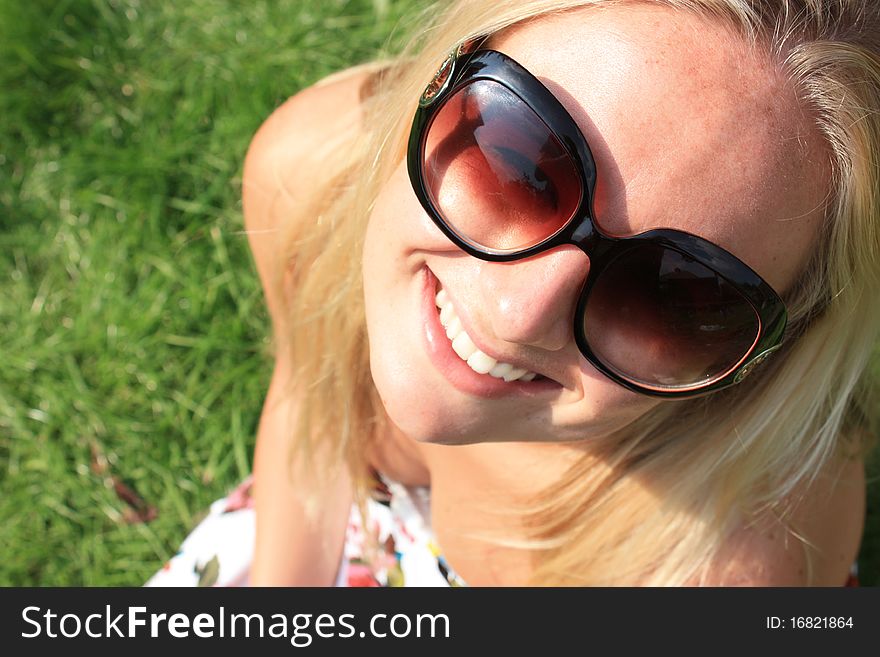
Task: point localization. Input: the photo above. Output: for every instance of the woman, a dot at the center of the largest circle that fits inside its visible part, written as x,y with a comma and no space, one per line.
453,306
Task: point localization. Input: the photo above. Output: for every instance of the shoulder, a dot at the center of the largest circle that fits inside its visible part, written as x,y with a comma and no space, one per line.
826,523
282,155
283,160
306,121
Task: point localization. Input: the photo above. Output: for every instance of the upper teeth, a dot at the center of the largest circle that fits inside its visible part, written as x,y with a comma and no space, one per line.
466,349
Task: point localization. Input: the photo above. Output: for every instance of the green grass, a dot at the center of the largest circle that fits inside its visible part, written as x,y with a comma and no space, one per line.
134,334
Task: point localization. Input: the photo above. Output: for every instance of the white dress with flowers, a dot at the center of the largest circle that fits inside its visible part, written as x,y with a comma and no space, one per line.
394,547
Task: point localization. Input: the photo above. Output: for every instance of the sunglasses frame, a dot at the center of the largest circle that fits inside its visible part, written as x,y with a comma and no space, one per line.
462,68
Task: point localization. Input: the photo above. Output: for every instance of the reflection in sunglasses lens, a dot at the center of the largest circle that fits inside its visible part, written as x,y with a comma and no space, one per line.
660,319
495,171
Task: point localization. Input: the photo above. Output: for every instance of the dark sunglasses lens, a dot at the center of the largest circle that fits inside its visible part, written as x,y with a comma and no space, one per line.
495,172
662,320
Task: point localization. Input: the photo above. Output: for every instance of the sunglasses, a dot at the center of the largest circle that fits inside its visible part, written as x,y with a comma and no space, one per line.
503,170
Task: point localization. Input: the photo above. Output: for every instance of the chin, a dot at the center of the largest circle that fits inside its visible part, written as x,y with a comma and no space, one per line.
425,412
414,406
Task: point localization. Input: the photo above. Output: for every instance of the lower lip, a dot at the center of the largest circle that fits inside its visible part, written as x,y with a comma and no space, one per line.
456,371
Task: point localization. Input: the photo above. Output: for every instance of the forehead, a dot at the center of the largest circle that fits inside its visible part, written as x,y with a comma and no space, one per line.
691,128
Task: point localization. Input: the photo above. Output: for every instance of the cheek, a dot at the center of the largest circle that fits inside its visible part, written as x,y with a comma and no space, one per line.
394,232
386,244
602,408
392,283
398,224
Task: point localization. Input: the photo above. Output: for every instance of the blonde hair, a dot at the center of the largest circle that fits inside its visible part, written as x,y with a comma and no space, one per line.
658,503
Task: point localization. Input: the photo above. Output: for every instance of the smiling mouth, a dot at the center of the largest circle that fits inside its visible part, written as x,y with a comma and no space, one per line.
466,350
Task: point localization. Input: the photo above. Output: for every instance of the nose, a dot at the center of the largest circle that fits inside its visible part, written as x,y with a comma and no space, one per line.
532,301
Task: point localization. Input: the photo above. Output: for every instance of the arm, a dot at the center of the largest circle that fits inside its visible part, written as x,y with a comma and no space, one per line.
292,547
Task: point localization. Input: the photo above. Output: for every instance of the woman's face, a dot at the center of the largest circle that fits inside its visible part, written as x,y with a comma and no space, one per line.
689,130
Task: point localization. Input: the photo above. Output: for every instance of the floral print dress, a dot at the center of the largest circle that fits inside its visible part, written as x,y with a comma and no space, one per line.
395,546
